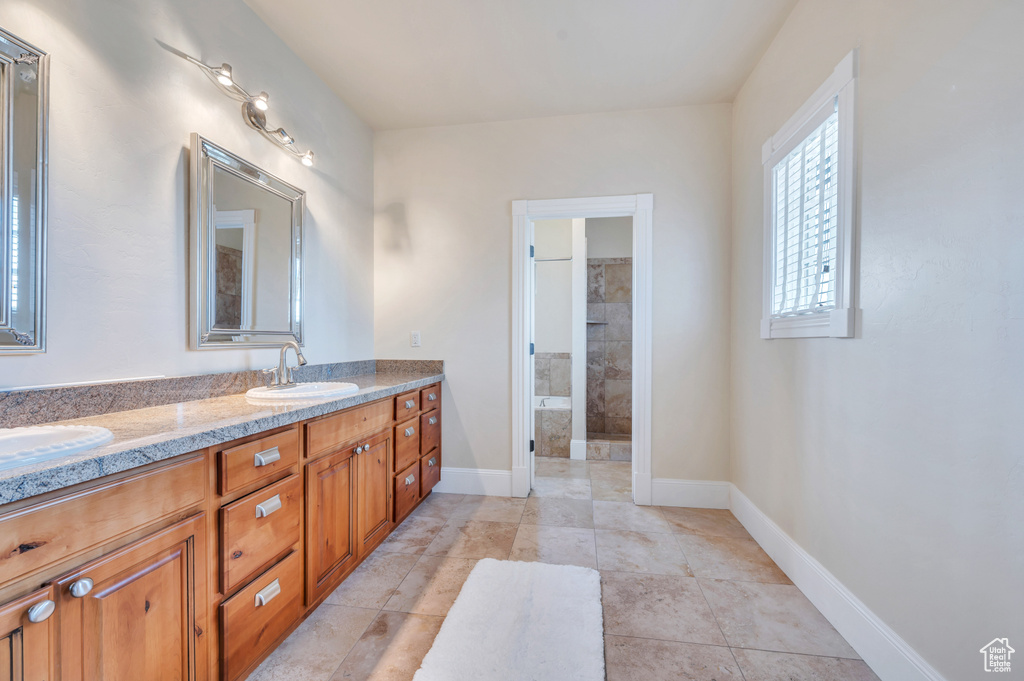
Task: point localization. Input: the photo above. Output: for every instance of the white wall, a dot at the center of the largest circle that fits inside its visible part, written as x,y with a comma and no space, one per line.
610,238
443,233
896,458
553,299
121,111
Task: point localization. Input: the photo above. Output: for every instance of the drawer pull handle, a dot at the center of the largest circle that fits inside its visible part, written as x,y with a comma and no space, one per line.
81,587
431,397
269,506
409,432
41,611
433,421
409,480
267,457
432,462
268,593
409,404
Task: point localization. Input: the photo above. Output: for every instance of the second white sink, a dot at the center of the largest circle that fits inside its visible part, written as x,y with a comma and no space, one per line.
301,391
21,446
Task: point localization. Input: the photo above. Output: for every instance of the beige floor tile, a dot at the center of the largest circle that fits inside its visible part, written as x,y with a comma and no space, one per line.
556,545
618,471
371,584
666,607
760,665
317,647
548,467
439,505
728,558
391,649
562,488
559,512
637,659
625,515
464,538
413,535
602,489
432,585
626,551
706,521
772,617
493,509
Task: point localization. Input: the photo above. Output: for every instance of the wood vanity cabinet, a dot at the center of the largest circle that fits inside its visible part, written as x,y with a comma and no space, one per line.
28,638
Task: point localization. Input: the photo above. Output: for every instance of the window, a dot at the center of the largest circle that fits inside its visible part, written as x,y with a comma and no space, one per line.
809,191
15,241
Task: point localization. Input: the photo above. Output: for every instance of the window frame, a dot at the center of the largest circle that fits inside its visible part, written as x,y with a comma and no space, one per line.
839,90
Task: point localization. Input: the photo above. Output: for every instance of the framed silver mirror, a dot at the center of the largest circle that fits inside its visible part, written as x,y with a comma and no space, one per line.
23,121
245,252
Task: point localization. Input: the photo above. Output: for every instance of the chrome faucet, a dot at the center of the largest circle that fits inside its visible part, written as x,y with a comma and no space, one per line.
282,374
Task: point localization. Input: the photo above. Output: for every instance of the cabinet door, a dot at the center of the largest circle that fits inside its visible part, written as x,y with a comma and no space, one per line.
373,495
27,638
139,612
330,518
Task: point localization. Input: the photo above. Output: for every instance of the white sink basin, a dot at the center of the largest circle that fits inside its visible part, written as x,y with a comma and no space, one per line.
301,392
20,446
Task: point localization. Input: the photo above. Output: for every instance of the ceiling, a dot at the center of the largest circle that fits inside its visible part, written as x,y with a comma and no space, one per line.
414,63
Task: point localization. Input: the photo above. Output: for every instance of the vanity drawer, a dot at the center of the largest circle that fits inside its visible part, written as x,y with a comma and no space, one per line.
430,430
251,625
407,443
406,405
324,435
258,528
407,490
430,397
257,460
430,471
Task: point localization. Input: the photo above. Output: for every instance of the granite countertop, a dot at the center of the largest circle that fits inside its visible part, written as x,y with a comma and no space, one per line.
142,436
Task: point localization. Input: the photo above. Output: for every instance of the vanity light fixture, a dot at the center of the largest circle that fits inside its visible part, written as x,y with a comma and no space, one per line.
253,108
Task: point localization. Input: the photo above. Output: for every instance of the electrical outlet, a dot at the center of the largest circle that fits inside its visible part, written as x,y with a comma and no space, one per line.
414,339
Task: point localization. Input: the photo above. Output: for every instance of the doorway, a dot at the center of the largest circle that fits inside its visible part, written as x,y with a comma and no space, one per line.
634,427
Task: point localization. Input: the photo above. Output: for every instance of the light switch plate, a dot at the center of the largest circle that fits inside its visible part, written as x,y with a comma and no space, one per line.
414,339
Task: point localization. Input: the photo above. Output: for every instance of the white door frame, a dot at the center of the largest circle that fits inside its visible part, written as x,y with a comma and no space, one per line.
524,212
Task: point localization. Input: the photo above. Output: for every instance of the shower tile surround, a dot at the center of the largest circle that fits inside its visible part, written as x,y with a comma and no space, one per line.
553,427
609,358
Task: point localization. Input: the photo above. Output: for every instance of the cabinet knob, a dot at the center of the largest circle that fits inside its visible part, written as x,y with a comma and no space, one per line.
269,506
409,404
431,397
268,593
433,421
432,462
409,432
266,457
81,587
41,611
358,450
409,480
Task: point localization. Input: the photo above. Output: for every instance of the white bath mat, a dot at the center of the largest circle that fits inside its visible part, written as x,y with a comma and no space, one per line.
519,621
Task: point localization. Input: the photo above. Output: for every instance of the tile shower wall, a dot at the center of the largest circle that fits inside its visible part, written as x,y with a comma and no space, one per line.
553,374
553,427
610,345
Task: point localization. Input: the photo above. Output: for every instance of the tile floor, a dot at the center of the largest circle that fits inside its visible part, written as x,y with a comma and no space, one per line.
687,593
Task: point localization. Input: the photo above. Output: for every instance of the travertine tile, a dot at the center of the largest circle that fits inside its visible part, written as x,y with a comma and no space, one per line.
541,369
618,283
557,426
317,647
618,399
439,505
494,509
620,322
666,607
706,521
413,535
595,424
595,312
553,511
637,659
432,585
611,481
729,558
561,377
614,472
542,386
621,451
772,617
627,551
464,538
625,515
595,283
619,426
595,398
618,360
599,451
760,665
563,488
371,584
391,649
556,545
561,468
595,360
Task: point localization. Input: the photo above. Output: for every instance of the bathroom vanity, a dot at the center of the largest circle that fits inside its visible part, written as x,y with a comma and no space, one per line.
198,565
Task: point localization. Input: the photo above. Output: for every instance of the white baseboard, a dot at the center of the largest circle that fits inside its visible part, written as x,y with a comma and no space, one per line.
493,483
690,493
888,655
578,450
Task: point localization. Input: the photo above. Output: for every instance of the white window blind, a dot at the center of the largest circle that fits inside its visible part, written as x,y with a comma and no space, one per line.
15,242
804,221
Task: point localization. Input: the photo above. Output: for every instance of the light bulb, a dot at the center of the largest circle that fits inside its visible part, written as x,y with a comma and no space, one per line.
284,137
224,75
307,159
260,101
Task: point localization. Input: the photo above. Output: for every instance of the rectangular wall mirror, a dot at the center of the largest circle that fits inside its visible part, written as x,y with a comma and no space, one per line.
246,252
23,100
